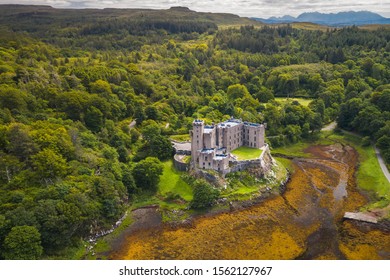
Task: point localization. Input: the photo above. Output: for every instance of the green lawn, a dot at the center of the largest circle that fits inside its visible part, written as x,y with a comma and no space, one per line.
302,101
293,150
246,153
181,137
170,181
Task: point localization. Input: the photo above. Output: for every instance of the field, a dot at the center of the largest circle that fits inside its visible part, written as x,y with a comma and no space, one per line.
246,153
302,101
180,137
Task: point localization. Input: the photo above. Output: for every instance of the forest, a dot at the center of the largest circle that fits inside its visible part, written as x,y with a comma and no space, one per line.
71,163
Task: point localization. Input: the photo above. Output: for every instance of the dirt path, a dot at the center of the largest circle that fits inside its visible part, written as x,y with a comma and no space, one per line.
132,124
329,127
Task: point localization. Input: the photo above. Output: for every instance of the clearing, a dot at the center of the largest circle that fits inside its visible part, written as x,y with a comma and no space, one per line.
302,101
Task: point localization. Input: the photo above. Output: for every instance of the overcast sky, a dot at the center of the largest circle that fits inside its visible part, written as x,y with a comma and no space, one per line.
250,8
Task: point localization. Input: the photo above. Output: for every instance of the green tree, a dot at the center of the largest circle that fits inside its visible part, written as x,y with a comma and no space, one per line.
147,173
204,195
128,181
237,91
23,243
49,165
94,119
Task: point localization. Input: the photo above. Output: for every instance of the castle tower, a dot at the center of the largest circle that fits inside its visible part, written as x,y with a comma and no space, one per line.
196,140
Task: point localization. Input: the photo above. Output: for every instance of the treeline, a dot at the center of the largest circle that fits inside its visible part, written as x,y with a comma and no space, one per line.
143,27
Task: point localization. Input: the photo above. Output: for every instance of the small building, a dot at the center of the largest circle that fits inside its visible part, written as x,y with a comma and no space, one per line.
211,144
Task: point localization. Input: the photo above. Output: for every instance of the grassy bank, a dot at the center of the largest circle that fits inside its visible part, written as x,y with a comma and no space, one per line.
369,175
171,182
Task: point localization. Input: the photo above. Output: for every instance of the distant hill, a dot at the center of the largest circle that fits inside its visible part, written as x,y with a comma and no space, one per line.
339,19
22,16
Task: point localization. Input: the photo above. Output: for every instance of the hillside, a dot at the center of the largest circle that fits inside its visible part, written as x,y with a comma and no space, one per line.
20,16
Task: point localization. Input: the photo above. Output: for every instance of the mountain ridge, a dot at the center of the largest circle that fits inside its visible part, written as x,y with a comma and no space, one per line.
331,19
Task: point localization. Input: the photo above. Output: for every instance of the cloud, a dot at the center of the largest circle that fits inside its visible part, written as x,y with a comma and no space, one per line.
256,8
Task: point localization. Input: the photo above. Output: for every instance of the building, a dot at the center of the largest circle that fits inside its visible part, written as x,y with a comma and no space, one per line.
211,144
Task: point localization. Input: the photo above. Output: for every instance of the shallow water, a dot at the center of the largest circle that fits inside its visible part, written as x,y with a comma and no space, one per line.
303,223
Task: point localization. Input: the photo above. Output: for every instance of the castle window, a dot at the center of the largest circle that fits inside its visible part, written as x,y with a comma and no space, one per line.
206,158
255,139
209,163
255,132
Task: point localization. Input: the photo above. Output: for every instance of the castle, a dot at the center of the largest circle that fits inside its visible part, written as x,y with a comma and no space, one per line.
211,144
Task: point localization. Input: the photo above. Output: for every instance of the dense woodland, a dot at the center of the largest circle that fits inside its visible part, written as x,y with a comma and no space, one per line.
70,163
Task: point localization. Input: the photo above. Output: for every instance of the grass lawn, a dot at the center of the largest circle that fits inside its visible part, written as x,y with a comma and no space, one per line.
302,101
246,153
293,150
181,137
170,181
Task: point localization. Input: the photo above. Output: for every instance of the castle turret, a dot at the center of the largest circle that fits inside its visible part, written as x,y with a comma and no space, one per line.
196,140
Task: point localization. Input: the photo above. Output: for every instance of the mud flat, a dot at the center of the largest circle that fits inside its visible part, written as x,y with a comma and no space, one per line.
306,222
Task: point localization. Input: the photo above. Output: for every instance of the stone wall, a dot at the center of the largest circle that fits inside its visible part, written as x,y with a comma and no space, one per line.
179,165
264,162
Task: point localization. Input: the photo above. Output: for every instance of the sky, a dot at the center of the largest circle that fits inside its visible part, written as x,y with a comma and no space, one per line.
248,8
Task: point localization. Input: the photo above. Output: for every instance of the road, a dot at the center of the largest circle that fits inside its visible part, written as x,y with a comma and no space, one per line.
382,164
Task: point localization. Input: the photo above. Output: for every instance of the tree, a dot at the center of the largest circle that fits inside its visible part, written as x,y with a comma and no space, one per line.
49,165
161,147
237,91
152,113
204,195
128,181
94,119
147,173
348,111
23,243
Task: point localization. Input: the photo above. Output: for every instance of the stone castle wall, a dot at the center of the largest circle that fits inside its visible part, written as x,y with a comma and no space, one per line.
264,162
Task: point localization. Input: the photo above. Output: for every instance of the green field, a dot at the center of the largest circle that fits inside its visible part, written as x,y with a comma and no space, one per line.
170,181
293,150
246,153
302,101
181,137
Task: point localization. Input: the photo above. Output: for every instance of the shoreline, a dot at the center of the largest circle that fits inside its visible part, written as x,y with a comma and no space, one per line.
150,217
